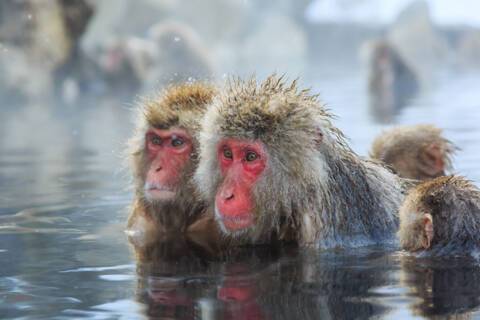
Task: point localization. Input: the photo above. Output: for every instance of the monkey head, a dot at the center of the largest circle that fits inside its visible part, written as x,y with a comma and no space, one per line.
414,152
261,163
441,214
164,149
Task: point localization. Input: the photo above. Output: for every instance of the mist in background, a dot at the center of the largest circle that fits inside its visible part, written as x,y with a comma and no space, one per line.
71,73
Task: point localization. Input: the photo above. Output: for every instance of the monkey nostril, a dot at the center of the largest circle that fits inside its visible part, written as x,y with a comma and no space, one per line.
227,196
158,169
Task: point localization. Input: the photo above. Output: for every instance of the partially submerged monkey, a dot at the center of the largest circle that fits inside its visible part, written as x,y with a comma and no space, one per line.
392,82
414,152
163,157
273,166
441,216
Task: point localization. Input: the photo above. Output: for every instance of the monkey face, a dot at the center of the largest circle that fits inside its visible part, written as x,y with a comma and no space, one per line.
241,164
168,152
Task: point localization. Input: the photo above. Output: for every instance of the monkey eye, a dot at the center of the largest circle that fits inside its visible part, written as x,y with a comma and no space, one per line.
177,142
227,153
251,156
156,140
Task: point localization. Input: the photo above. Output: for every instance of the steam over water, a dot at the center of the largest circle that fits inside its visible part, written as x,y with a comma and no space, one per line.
64,189
63,205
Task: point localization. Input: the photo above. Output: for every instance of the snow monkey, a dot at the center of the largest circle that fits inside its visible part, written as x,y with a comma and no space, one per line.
163,158
441,216
414,152
392,82
273,166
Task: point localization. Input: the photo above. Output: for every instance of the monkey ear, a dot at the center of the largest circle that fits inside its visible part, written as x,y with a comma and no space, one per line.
432,160
428,230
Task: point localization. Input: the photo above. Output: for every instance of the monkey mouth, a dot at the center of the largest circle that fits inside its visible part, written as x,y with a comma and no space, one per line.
158,192
232,223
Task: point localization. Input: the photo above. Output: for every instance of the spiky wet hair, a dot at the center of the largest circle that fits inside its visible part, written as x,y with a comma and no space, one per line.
454,204
178,105
409,142
289,121
306,154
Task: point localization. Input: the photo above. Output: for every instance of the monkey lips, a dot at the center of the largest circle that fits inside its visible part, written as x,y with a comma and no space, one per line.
155,191
234,222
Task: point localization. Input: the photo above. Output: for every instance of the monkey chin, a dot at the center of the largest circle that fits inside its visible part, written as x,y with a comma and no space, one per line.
234,225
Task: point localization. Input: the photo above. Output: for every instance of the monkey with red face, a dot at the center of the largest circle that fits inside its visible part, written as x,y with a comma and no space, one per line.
163,158
273,166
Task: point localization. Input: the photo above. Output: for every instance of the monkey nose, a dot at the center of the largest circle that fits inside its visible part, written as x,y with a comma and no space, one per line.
227,195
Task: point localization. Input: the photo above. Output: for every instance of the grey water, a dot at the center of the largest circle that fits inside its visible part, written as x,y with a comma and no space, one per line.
64,197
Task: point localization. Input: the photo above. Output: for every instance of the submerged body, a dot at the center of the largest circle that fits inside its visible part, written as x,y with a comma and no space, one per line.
441,216
273,166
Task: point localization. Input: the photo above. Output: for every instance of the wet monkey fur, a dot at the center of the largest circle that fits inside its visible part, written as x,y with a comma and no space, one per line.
414,152
441,216
273,166
163,157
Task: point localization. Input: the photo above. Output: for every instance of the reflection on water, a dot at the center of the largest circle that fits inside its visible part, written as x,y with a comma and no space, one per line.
265,283
63,199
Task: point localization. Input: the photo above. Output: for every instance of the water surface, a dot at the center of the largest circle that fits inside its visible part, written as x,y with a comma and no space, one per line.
63,206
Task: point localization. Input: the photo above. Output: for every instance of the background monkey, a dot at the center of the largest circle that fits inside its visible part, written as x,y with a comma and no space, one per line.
180,54
392,82
273,166
414,152
441,216
163,159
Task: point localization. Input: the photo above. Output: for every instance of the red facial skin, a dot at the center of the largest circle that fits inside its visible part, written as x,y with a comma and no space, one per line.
241,164
168,151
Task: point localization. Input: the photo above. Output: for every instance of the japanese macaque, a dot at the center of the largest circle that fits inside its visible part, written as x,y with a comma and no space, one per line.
441,216
391,82
33,43
273,166
181,55
163,159
78,75
126,64
414,152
